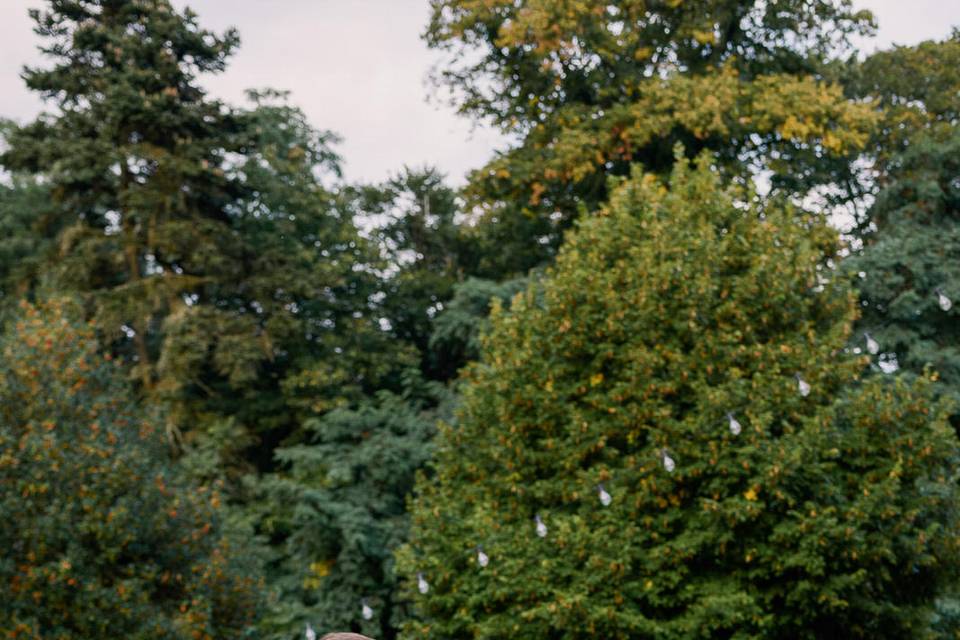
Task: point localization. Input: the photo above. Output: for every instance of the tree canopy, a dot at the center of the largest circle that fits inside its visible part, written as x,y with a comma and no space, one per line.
666,438
910,266
589,88
599,390
205,246
102,536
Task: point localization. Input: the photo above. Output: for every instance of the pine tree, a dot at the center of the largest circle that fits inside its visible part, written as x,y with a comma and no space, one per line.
201,237
589,88
134,153
100,537
667,439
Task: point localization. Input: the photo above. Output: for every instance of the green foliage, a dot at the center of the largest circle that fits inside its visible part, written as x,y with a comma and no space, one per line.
335,510
210,256
456,331
22,243
338,511
946,621
205,246
828,515
424,252
100,538
134,156
915,87
913,253
299,339
589,88
297,334
536,56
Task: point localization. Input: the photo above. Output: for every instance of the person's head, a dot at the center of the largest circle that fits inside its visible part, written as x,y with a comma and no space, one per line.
345,636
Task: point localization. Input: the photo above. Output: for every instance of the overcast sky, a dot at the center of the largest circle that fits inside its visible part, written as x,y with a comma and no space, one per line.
358,67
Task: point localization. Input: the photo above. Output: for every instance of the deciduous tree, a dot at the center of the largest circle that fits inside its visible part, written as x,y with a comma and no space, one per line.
100,537
588,88
666,439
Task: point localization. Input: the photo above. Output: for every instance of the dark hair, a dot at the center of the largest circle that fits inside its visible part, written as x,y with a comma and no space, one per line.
345,636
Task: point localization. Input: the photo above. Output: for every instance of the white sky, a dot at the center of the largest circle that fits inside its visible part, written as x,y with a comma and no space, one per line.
358,67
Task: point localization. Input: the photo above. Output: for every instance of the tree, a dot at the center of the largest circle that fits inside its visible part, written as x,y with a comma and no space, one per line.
335,509
910,234
915,88
439,277
666,439
203,243
100,538
337,512
22,245
589,88
135,155
201,237
298,333
414,220
910,264
455,339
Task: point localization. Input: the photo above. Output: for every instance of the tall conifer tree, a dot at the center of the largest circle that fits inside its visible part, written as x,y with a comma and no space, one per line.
135,154
205,245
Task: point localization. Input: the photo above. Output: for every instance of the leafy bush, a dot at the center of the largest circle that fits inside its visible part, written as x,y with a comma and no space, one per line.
99,538
828,509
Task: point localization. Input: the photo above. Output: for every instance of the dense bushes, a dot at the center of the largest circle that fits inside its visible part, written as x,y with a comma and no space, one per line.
827,510
99,538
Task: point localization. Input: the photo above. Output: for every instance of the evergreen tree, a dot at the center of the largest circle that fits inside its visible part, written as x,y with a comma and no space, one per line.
338,512
201,237
134,153
22,244
666,439
455,339
100,538
205,246
589,88
910,265
910,233
439,277
414,220
335,510
298,333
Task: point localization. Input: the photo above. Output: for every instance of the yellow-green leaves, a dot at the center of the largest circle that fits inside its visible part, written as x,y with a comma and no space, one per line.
100,537
676,307
588,88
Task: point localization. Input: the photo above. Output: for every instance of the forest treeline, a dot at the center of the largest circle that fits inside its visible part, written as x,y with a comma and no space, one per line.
681,362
